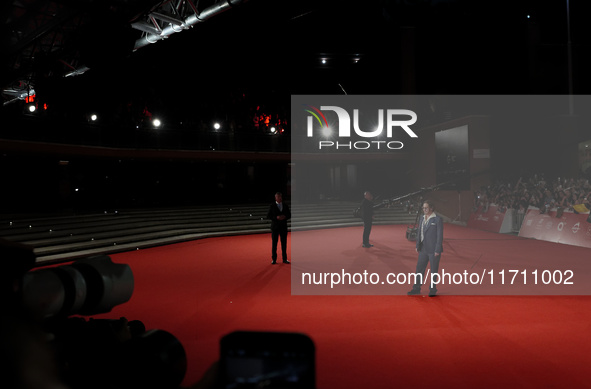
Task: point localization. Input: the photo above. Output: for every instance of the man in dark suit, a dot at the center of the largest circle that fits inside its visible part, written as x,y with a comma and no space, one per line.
367,217
279,214
429,246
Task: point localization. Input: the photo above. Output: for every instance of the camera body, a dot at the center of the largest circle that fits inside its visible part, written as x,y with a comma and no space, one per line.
41,317
267,359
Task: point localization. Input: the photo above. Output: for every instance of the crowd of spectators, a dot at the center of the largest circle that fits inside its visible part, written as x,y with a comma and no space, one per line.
537,191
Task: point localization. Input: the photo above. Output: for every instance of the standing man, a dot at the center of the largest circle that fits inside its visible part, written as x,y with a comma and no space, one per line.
367,217
429,246
279,214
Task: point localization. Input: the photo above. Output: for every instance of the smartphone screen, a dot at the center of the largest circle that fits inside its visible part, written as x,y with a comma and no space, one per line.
267,360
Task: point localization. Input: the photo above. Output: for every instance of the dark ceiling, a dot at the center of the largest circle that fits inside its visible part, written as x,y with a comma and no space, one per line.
272,46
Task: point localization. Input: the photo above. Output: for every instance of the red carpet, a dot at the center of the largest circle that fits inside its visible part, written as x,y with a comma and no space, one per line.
204,289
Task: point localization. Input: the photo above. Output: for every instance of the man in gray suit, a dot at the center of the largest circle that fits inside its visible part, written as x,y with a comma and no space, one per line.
429,246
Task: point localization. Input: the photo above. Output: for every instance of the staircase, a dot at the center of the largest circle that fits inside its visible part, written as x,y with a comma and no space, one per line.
59,238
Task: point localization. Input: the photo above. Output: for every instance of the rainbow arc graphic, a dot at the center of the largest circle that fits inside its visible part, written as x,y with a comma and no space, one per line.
315,112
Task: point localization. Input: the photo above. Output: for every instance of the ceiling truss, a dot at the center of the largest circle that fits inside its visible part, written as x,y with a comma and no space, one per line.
43,35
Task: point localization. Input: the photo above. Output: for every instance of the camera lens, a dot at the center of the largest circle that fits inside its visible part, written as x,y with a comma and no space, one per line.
88,286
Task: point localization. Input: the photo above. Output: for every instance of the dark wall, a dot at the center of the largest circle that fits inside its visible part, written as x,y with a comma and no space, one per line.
49,183
455,204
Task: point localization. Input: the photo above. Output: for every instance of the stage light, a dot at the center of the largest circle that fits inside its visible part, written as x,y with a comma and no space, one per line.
217,126
32,108
156,123
273,130
93,117
323,61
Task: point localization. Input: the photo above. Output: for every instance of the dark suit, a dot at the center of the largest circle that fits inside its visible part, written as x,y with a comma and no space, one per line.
367,217
429,242
279,228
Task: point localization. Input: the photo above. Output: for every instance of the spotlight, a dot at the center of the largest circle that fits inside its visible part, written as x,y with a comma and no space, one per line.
156,123
32,108
273,130
217,126
93,117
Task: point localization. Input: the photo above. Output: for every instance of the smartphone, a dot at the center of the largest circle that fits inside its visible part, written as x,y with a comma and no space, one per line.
250,359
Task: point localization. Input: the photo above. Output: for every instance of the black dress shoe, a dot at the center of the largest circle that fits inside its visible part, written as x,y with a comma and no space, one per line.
413,292
432,292
286,261
273,263
367,245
